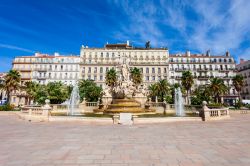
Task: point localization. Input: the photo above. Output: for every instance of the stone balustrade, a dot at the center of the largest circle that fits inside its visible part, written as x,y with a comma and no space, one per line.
37,110
214,114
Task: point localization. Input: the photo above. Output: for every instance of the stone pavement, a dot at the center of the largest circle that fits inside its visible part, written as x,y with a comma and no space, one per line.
216,143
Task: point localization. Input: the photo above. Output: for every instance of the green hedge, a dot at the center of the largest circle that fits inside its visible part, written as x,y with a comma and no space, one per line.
7,107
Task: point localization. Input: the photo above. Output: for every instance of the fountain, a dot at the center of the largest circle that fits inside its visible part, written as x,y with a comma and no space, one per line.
74,101
123,93
179,103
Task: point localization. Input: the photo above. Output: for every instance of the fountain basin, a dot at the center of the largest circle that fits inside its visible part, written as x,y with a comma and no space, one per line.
124,106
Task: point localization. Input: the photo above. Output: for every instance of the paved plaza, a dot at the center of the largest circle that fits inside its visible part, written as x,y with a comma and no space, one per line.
214,143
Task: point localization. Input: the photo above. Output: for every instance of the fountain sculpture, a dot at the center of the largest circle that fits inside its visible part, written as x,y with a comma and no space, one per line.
179,109
123,93
74,101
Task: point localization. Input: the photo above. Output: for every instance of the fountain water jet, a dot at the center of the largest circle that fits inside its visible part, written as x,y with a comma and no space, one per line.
74,100
179,103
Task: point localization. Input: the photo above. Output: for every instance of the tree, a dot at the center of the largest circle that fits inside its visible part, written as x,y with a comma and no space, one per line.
89,90
136,76
31,90
153,90
187,81
200,94
111,79
238,82
11,82
163,89
57,92
159,89
41,94
217,88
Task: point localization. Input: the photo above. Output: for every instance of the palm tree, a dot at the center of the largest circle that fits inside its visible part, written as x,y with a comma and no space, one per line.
111,79
238,82
11,83
153,90
217,88
187,81
136,76
163,88
31,90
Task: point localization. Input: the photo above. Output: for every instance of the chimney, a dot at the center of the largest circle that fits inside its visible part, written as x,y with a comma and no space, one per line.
127,42
56,54
37,54
242,61
188,53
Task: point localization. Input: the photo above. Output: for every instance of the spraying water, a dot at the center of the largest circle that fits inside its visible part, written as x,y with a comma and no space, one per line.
179,103
74,100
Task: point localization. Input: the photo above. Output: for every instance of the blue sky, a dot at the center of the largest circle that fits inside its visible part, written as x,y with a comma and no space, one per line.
49,26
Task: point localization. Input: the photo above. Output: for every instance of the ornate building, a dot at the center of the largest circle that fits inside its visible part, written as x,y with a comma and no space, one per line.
244,70
43,68
95,62
3,96
204,67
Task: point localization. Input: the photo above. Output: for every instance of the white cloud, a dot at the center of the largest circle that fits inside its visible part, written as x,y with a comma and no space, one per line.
142,21
12,47
220,30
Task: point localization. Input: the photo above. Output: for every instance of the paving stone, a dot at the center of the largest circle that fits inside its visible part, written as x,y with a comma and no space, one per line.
215,143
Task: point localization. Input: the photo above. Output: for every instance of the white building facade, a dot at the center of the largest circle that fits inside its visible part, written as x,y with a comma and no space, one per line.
204,67
95,62
244,70
43,68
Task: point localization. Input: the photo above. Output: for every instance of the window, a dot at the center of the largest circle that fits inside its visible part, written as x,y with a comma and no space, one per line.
147,78
95,78
153,78
101,69
83,69
95,71
101,78
89,77
165,70
89,71
107,69
159,70
147,70
153,70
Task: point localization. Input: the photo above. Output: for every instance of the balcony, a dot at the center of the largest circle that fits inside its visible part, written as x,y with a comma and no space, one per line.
203,77
200,69
41,77
25,70
178,77
41,69
180,70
